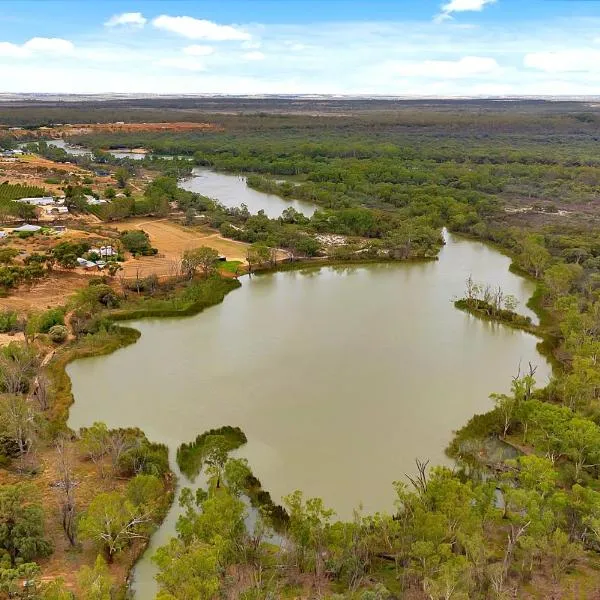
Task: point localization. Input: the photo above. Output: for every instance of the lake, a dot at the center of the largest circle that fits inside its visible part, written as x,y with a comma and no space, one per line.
232,191
340,377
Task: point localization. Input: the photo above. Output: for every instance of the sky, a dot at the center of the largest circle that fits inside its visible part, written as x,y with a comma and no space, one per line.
347,47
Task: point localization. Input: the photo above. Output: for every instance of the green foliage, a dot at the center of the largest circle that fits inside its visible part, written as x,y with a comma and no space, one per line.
137,242
58,333
113,521
22,525
96,581
191,457
9,321
44,322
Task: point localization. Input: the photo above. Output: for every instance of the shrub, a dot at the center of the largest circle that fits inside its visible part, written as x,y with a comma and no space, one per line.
8,321
136,241
58,334
48,319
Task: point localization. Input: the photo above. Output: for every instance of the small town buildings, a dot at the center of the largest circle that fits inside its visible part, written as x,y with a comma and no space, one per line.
59,228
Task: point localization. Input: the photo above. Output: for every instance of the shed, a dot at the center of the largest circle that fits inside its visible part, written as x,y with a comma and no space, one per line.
27,228
41,201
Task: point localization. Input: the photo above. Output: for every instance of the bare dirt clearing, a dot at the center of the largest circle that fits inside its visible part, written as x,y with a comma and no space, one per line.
172,240
49,292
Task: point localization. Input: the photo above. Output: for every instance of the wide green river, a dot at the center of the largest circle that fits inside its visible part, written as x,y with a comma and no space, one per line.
340,377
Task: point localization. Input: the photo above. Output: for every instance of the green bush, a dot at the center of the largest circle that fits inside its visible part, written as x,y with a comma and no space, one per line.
8,321
47,320
58,334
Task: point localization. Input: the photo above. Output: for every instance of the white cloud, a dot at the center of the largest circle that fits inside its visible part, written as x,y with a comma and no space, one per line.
465,5
132,19
564,61
200,29
253,56
468,66
454,6
185,63
12,50
198,50
51,46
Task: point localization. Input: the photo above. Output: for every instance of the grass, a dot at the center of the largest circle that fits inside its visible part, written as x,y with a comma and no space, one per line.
230,266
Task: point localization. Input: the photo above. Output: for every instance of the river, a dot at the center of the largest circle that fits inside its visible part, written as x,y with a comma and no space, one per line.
231,191
82,150
340,376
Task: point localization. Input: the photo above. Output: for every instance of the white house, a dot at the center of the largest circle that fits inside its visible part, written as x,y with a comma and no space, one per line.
104,251
94,201
42,201
56,209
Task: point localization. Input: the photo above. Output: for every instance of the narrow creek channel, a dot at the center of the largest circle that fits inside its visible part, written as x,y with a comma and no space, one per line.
339,376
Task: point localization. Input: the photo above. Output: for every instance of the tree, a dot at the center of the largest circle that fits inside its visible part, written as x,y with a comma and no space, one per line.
113,522
580,441
216,457
204,258
534,257
18,421
122,175
95,441
96,581
187,572
66,485
258,254
22,524
309,529
56,590
136,241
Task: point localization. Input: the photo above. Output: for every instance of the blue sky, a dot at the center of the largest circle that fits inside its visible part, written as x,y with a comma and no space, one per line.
389,47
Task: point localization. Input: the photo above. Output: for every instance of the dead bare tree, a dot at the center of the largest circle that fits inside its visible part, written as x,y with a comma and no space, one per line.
66,485
419,481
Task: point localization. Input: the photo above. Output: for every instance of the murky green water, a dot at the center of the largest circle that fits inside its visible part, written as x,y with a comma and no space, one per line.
340,377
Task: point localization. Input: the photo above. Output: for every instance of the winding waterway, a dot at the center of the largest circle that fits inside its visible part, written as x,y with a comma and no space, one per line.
231,191
340,377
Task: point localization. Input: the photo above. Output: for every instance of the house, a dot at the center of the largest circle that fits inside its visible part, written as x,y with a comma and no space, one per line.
27,228
86,264
59,228
104,251
92,201
2,234
56,210
41,201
